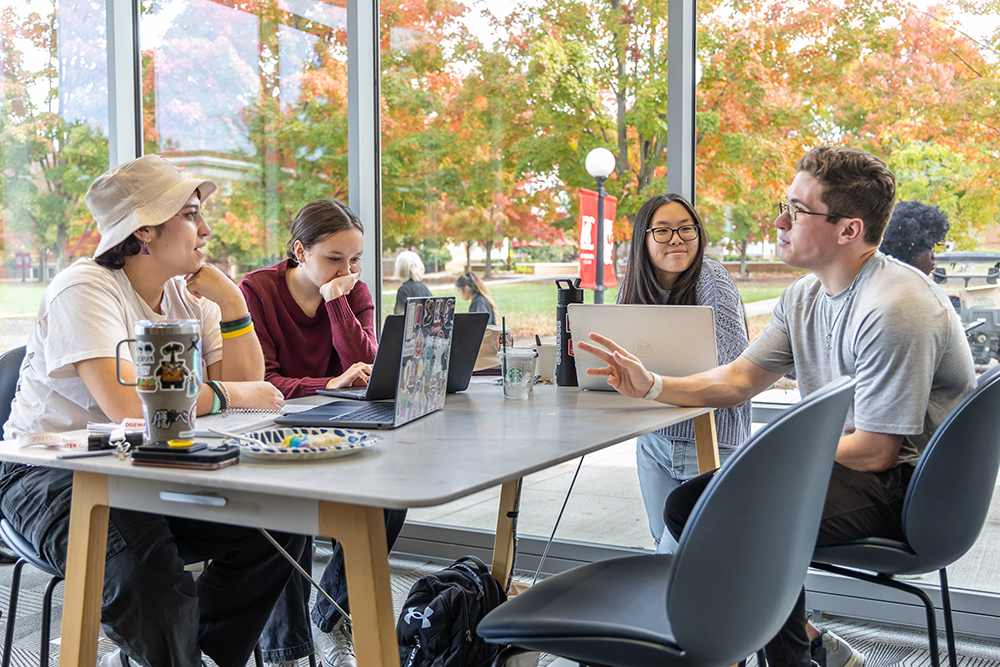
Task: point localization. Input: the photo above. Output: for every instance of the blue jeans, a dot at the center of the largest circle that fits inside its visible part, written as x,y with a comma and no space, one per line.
287,635
662,465
154,610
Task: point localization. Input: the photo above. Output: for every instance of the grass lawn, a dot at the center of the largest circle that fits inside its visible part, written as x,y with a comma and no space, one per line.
752,293
530,308
19,299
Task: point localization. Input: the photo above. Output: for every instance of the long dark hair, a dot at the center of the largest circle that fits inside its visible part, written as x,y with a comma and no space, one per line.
639,285
319,219
471,281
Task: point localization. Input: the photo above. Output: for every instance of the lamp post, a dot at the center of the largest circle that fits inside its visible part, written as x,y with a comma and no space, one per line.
600,163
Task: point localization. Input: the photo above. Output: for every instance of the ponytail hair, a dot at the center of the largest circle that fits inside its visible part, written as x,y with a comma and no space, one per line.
471,281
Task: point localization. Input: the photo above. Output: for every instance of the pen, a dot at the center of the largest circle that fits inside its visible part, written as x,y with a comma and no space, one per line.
81,455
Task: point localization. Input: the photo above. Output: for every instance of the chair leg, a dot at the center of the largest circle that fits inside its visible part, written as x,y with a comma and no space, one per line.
761,658
506,654
47,620
899,586
258,660
15,584
312,659
949,628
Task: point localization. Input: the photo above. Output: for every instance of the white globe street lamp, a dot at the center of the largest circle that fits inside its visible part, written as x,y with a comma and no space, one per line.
600,164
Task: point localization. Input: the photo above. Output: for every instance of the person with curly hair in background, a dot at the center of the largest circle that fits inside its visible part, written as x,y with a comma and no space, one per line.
913,232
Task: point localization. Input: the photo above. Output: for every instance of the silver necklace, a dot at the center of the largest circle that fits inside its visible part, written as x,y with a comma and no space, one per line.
841,314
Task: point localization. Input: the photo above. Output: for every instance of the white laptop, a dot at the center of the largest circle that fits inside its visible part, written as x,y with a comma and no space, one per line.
668,340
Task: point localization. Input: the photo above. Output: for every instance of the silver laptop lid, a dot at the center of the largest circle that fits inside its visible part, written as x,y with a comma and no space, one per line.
668,340
423,365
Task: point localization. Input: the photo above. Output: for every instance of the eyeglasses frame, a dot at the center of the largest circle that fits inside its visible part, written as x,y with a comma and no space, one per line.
676,232
793,212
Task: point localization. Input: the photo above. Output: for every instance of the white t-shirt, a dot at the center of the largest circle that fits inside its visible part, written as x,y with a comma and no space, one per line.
86,310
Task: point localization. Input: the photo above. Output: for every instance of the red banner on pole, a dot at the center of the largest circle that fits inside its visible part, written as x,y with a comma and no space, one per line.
588,239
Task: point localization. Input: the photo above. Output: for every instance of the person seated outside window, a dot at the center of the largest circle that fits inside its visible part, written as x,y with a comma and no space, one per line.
409,270
859,314
913,232
148,266
472,288
667,265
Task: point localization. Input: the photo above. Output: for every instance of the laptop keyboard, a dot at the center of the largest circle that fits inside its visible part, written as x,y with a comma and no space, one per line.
381,412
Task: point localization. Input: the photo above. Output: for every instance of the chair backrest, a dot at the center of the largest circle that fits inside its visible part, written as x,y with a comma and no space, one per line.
742,558
950,491
10,368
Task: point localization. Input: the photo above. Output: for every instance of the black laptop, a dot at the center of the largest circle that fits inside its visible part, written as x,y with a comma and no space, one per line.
421,374
465,344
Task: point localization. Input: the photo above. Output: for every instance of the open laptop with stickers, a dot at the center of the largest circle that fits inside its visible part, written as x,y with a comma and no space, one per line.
422,380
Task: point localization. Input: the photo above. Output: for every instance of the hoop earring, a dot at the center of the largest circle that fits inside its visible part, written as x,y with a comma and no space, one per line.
145,247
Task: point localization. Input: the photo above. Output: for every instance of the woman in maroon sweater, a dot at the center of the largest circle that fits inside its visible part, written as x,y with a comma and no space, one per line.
313,317
315,323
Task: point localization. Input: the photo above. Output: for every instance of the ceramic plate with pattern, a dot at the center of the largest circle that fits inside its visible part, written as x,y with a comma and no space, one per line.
270,447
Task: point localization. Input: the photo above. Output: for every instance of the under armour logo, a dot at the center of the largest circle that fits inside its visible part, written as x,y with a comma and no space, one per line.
421,616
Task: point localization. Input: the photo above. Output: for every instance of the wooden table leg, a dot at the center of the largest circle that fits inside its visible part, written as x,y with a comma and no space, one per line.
503,542
706,442
361,532
88,542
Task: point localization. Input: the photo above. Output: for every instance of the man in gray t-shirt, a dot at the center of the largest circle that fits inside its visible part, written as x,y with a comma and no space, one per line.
859,313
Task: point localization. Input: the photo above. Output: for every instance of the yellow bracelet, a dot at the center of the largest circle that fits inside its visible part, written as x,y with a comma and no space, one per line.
239,332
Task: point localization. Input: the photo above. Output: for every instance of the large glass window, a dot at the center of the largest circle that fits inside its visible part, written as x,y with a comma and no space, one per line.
913,83
254,97
489,111
53,143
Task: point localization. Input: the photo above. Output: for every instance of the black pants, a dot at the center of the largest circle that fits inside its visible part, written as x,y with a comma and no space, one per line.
858,504
152,608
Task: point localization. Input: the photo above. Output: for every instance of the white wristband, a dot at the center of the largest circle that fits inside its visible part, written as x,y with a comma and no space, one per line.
654,391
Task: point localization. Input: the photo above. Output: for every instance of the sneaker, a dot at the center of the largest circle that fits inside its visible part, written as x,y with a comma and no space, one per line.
116,659
336,648
829,650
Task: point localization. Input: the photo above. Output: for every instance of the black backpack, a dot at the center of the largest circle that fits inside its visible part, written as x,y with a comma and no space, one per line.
437,625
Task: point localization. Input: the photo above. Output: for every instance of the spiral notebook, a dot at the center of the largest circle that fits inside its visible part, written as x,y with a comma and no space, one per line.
235,420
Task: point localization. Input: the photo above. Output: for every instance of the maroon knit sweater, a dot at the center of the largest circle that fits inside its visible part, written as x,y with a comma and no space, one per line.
302,353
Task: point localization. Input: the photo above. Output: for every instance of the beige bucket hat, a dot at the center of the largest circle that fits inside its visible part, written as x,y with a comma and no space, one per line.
142,193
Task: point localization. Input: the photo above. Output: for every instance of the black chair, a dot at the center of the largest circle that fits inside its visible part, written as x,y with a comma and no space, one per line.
944,509
733,579
27,554
10,368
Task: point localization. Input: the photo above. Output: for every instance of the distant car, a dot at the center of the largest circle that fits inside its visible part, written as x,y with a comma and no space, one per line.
979,307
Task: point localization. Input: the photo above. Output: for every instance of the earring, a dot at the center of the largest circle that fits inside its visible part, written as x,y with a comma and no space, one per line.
145,247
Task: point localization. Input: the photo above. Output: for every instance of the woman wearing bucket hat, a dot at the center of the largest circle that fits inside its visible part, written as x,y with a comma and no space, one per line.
148,266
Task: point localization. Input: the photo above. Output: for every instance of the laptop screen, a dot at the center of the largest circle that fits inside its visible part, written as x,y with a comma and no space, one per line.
423,365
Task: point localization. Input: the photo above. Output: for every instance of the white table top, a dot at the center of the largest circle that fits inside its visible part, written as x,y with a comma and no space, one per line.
479,440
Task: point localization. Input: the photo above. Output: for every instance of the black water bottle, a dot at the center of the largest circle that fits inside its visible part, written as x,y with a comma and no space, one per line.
565,364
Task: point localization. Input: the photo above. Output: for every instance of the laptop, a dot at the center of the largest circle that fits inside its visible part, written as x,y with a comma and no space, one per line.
668,340
421,374
465,343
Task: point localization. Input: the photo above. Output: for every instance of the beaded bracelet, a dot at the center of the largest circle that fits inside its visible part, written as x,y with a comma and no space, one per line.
229,401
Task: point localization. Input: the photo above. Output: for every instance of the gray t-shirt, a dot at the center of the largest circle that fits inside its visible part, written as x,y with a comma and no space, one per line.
892,329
